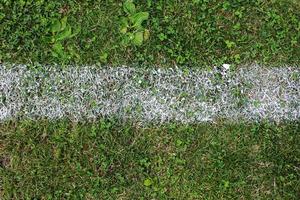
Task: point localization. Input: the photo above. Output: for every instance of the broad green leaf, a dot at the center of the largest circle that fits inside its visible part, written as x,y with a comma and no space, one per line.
56,26
129,7
58,49
149,3
66,33
162,36
124,22
130,36
229,44
146,34
103,57
125,40
57,46
63,22
2,15
124,25
123,30
138,18
147,182
178,143
138,38
72,52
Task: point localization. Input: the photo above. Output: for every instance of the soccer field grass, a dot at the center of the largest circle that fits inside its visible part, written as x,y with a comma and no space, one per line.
107,160
126,133
133,99
194,33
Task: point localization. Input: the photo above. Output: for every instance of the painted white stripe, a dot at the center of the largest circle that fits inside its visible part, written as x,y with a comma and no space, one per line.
149,95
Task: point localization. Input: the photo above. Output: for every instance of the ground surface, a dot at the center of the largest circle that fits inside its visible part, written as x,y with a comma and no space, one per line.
195,33
104,160
109,159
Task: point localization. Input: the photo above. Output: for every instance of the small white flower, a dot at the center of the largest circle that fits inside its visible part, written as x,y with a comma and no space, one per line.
226,66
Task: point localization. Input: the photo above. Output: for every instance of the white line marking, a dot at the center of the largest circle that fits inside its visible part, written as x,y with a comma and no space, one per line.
149,95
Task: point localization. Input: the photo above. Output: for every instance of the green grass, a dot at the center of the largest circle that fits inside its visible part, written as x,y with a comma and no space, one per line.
194,33
107,160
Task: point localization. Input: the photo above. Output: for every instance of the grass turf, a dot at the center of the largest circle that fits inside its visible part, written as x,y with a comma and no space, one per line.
107,160
193,33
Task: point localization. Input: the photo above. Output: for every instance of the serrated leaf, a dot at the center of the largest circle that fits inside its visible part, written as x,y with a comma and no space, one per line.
66,33
56,26
138,18
138,38
146,34
129,7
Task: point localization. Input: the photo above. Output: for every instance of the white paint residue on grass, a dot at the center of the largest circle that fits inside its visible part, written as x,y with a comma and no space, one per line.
150,95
